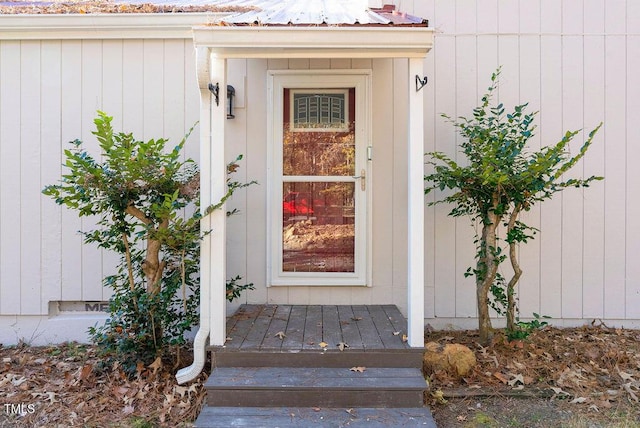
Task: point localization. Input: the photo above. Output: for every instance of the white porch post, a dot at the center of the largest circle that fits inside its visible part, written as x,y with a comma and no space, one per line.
415,287
217,257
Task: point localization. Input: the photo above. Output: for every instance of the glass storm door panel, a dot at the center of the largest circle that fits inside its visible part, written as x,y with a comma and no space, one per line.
320,222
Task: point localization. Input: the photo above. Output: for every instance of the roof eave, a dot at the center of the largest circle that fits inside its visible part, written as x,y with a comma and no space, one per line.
103,26
315,42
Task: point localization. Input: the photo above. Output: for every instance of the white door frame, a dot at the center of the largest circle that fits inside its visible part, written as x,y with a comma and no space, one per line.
318,79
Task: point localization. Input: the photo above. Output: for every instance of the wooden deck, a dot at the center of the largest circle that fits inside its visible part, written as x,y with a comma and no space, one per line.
317,336
279,357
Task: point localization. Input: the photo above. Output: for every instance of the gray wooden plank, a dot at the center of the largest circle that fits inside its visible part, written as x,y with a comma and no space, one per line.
385,329
410,357
314,372
331,332
313,328
398,320
258,330
350,331
215,417
245,317
250,378
368,332
317,398
278,325
295,329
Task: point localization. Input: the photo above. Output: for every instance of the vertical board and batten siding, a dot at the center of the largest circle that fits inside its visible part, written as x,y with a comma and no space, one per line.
574,61
577,62
50,91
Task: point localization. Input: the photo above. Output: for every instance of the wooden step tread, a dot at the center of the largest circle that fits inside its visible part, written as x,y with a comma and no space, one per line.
281,378
267,417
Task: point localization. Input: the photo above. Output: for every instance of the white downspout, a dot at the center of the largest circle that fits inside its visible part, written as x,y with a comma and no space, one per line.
186,374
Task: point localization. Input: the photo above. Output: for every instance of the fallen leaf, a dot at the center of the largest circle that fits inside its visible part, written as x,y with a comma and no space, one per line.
356,318
156,365
85,371
342,345
127,410
358,369
405,337
578,400
17,381
516,379
316,409
559,391
396,333
438,396
627,387
323,344
180,390
502,378
625,376
461,418
280,335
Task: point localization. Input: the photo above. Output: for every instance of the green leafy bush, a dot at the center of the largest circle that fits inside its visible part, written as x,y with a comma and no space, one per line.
500,178
140,192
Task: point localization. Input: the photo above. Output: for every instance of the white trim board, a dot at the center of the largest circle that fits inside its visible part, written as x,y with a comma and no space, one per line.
106,26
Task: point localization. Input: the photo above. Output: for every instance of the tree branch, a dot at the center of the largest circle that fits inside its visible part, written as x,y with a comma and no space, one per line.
134,211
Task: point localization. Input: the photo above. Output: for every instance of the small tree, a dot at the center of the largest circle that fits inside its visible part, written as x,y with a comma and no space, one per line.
140,191
502,179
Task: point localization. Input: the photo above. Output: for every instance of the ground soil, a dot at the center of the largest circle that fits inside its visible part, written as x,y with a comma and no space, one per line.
587,377
581,377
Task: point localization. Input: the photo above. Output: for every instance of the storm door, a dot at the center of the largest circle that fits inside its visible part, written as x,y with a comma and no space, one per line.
319,211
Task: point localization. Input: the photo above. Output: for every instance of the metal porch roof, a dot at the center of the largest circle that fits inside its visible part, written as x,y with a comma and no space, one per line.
242,12
316,12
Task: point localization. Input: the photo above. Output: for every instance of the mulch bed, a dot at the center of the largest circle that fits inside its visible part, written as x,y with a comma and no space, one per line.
66,386
592,369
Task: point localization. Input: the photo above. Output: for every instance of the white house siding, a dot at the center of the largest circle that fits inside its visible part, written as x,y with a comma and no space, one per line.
50,91
576,61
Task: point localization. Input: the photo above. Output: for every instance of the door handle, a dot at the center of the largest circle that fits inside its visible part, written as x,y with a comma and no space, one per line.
363,179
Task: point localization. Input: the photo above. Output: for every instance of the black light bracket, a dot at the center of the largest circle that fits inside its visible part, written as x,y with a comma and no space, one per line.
215,90
231,93
421,82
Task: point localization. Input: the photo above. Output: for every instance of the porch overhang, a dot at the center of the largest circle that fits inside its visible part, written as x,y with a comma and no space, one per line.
217,43
315,42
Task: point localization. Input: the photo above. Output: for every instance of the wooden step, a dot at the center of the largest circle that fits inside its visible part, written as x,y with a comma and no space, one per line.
285,417
315,387
331,358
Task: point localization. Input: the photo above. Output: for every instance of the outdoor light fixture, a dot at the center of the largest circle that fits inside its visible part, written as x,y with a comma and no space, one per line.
231,93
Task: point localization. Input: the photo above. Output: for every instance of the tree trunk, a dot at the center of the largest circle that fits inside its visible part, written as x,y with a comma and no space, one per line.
152,267
517,272
487,263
